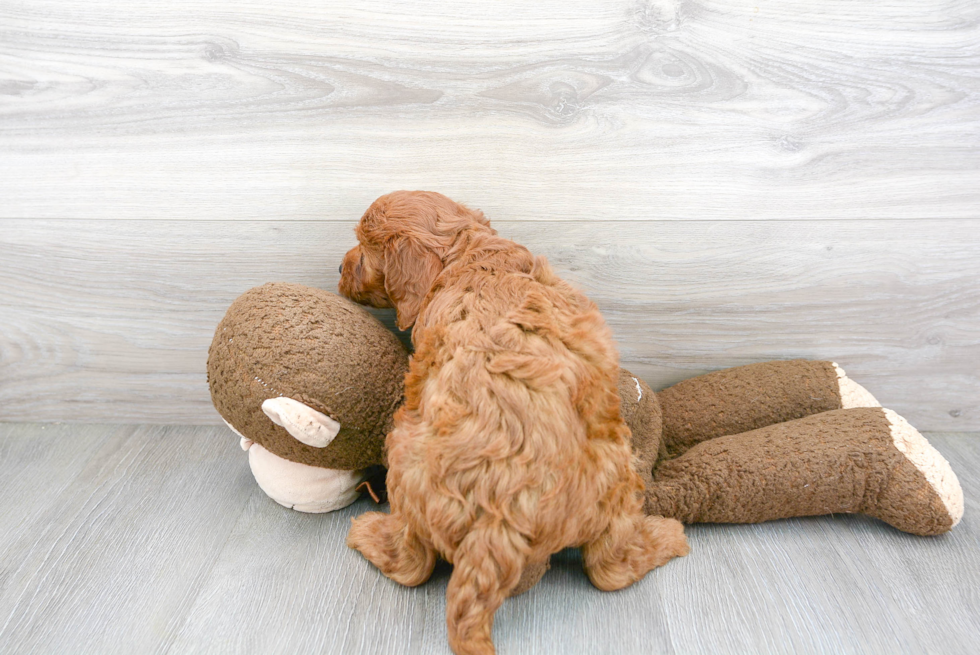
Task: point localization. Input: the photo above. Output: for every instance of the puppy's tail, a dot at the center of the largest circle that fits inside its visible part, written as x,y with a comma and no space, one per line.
487,565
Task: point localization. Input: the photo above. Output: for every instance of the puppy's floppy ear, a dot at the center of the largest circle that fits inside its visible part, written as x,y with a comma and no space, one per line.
410,271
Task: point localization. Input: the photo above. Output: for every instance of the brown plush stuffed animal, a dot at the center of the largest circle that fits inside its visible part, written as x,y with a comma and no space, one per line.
310,381
781,439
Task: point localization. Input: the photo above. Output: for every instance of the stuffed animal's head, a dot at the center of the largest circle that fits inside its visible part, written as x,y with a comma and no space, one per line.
289,353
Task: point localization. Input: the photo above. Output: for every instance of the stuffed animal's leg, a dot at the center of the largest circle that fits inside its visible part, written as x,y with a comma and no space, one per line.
388,543
487,566
867,460
744,398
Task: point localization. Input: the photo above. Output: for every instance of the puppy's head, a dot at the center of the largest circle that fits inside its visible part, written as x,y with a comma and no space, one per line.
405,239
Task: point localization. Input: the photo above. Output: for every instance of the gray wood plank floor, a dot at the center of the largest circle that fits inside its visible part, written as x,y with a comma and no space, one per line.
155,539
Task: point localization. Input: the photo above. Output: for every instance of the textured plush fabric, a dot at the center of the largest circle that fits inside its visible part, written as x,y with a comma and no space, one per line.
531,576
641,411
315,347
840,461
745,398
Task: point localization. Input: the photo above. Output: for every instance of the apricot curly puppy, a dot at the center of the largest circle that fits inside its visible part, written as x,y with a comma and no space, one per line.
510,445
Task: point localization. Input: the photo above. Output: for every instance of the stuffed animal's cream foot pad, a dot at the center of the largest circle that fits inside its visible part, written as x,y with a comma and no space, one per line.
301,487
929,462
852,394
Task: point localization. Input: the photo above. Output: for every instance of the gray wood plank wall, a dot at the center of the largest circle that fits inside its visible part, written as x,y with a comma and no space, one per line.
731,181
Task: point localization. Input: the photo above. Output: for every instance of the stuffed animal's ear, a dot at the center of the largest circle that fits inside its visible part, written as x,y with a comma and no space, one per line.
304,423
410,271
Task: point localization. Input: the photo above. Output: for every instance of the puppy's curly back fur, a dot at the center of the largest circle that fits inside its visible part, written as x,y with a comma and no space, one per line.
510,445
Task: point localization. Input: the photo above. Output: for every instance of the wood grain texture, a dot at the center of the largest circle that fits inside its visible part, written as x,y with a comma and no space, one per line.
161,543
113,564
625,110
37,465
111,320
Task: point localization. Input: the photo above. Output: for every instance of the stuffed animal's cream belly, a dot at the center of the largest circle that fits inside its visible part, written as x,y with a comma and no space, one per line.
300,486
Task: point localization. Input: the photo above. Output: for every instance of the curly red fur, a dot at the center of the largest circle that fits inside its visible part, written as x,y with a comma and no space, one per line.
510,445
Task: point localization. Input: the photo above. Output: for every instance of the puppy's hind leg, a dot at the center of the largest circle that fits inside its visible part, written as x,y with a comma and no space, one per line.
487,566
630,547
388,543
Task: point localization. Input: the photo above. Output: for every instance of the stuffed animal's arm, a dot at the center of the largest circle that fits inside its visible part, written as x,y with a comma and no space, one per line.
866,460
736,400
